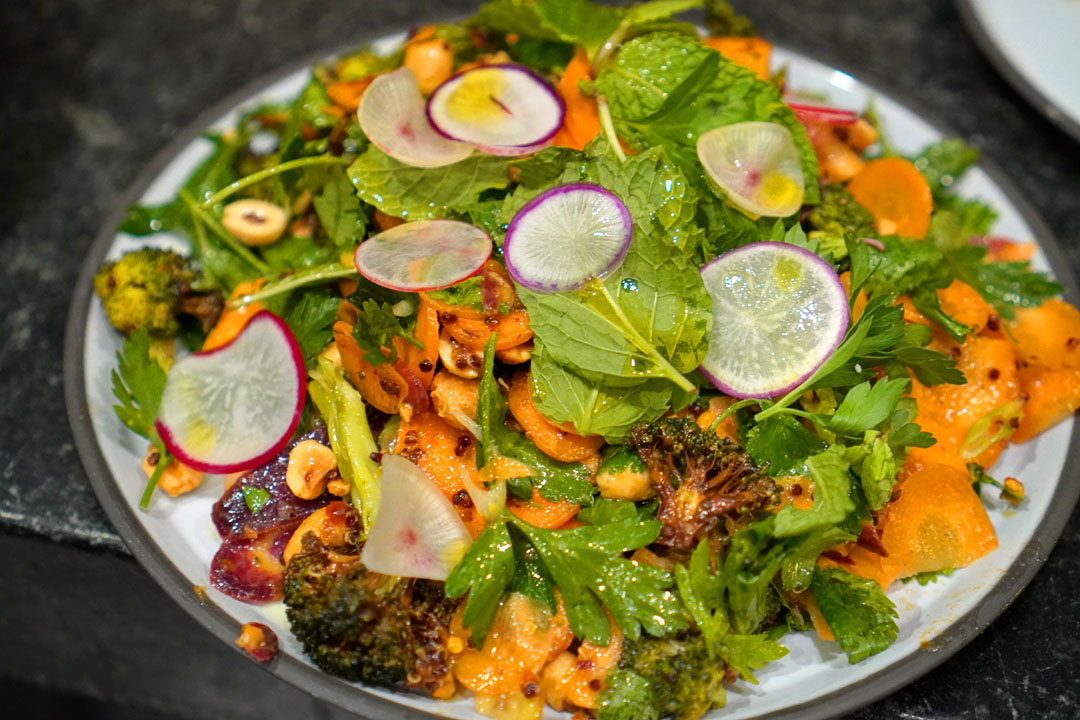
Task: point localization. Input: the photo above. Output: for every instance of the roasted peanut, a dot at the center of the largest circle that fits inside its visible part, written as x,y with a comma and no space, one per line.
254,222
329,524
309,462
454,396
459,359
431,61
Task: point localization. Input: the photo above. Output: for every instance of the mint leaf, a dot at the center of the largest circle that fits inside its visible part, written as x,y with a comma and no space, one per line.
340,212
832,502
593,408
419,193
797,569
944,162
466,293
573,21
637,92
857,611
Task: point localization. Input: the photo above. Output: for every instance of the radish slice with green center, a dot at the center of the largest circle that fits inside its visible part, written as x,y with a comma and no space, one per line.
498,106
417,532
392,115
423,255
779,312
566,235
756,164
234,407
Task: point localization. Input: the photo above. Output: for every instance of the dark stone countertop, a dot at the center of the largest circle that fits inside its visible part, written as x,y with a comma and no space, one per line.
94,88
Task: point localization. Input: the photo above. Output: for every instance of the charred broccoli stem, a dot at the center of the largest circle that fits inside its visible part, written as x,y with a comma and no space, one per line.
662,677
152,288
701,479
367,627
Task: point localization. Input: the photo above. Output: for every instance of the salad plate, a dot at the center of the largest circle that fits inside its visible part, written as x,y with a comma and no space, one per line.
1033,44
175,538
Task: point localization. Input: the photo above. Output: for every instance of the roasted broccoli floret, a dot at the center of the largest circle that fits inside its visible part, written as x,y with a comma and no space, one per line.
661,677
839,215
364,626
701,479
153,288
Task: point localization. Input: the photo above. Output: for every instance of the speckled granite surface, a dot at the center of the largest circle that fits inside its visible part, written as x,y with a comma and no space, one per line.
93,88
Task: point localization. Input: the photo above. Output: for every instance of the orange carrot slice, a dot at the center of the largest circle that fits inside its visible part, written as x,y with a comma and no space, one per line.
582,121
937,523
897,194
752,53
552,440
232,322
543,513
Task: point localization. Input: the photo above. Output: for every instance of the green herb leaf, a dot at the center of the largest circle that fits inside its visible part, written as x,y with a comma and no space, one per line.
375,328
588,569
943,163
340,211
579,22
485,573
311,319
255,498
636,94
138,383
832,502
865,406
418,193
857,611
782,444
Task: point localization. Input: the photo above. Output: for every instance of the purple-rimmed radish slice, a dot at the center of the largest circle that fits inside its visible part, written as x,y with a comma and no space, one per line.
234,407
424,255
497,106
566,235
779,312
417,532
392,115
756,165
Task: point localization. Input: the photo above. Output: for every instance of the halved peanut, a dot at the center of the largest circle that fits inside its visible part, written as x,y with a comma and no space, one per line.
453,396
516,355
309,462
329,524
254,222
458,359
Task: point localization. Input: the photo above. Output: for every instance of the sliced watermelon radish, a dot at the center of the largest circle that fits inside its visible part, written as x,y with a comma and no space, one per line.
779,312
423,255
234,407
497,106
417,532
566,235
392,115
756,165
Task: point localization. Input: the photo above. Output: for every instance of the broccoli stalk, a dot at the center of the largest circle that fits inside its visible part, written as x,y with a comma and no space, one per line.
701,479
367,627
152,288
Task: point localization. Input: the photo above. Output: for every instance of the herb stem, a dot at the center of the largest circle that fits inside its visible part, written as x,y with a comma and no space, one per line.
164,458
312,276
200,215
609,127
257,177
736,406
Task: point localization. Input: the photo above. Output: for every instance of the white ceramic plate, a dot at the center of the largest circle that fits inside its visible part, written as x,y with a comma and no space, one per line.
175,539
1035,44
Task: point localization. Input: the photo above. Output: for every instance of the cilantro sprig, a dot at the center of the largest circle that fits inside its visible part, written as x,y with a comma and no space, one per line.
138,383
